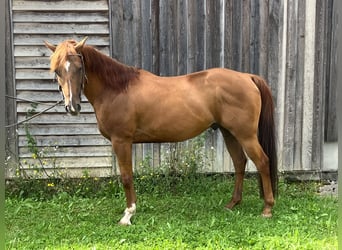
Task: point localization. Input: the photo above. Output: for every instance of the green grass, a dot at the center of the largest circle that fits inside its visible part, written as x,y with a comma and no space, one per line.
179,214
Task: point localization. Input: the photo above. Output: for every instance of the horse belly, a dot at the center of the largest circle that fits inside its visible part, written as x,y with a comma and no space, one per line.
171,127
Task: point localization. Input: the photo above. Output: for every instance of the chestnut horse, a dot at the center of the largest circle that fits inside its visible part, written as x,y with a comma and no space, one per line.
135,106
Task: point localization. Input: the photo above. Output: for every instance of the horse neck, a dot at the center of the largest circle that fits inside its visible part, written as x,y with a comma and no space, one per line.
93,88
95,85
105,74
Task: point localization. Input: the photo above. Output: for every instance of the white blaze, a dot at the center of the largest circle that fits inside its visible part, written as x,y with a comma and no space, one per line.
70,92
67,66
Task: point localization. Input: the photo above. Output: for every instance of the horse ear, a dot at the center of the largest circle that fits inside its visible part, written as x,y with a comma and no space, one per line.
50,46
80,44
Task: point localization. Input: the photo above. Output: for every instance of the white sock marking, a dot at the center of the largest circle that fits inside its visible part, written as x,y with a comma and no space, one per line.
129,212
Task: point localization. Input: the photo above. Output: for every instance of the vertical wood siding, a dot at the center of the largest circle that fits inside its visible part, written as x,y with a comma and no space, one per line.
287,42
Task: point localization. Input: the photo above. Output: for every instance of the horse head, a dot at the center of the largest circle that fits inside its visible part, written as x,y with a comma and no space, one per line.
68,65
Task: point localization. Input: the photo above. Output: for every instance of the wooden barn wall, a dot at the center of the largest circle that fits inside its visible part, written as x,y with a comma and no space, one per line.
64,144
287,42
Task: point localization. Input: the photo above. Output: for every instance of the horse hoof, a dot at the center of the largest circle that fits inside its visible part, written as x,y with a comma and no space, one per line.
268,215
232,204
230,208
125,223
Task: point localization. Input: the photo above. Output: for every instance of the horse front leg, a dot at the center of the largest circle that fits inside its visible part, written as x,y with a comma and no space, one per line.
123,151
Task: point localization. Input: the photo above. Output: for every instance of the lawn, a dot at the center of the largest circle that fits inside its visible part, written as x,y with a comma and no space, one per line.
185,213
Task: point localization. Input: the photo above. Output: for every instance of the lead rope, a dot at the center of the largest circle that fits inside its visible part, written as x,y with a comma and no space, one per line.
34,116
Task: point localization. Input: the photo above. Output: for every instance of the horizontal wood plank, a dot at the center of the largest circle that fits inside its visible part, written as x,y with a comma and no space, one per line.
67,172
60,129
66,140
67,162
58,28
32,62
74,5
54,118
60,17
38,39
72,152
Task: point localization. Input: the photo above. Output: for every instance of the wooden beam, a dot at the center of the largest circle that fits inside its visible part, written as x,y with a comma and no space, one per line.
3,8
337,46
308,82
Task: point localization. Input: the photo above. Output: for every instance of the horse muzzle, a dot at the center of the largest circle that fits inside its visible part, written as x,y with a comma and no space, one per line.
73,110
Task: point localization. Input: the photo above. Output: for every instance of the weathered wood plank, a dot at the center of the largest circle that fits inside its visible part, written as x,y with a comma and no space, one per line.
8,77
40,96
299,78
331,133
60,129
200,43
67,172
60,17
192,35
59,119
263,38
84,163
290,94
236,35
34,74
32,62
38,39
308,83
146,35
213,34
228,39
181,37
246,36
275,46
59,28
155,17
165,52
37,84
117,29
74,5
319,79
56,151
66,140
72,152
254,37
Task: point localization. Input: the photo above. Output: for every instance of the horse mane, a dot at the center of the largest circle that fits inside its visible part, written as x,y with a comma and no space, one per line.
112,73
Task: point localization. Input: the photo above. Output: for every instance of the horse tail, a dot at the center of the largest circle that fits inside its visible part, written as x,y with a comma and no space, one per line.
266,131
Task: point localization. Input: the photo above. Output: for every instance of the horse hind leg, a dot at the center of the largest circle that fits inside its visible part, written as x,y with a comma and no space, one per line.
257,155
239,161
